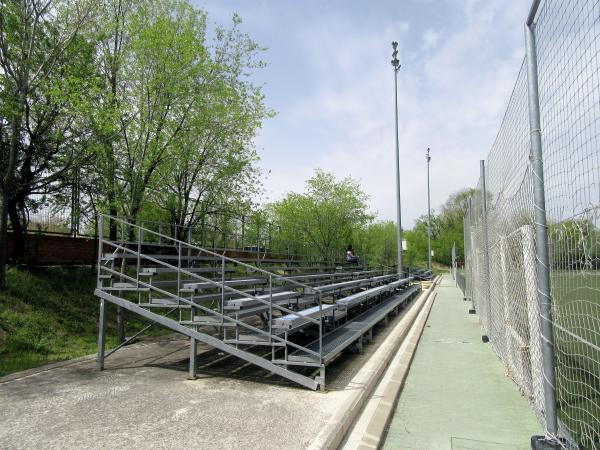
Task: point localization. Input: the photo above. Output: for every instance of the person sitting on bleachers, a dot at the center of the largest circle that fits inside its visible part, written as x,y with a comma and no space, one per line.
351,257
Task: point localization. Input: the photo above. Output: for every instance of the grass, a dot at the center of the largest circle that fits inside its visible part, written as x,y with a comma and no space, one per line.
577,309
439,269
50,314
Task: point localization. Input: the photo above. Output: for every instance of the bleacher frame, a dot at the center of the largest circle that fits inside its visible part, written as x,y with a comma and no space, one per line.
126,277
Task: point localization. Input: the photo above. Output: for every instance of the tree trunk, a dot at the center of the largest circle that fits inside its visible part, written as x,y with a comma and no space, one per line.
7,186
3,238
18,232
112,224
120,325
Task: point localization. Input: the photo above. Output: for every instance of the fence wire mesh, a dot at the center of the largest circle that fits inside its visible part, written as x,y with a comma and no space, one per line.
506,298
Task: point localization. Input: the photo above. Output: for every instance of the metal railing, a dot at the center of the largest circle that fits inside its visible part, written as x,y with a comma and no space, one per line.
130,249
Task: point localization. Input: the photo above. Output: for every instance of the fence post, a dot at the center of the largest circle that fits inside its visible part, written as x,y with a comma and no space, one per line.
270,239
533,316
453,267
507,323
469,287
243,231
102,315
486,257
541,228
257,242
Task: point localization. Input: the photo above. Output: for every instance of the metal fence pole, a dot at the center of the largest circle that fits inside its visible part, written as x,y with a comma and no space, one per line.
102,316
453,266
428,215
541,228
243,231
486,256
257,243
473,308
396,65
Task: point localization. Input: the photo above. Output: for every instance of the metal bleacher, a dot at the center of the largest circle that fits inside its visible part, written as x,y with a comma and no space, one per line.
242,304
353,331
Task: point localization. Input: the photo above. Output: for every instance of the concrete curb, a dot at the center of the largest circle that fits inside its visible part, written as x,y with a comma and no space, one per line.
366,380
371,427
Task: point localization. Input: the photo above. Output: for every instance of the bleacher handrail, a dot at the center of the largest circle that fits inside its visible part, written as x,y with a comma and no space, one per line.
201,249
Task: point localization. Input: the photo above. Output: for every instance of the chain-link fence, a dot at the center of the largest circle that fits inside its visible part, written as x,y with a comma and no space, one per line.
504,278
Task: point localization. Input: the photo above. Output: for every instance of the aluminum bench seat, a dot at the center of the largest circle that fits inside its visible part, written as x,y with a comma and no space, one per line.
351,267
160,257
299,268
360,297
309,270
293,325
383,278
208,320
344,336
147,271
299,318
202,297
267,260
196,286
359,273
344,285
314,276
246,302
126,287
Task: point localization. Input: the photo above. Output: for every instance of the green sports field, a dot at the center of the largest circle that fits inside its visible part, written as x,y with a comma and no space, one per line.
576,314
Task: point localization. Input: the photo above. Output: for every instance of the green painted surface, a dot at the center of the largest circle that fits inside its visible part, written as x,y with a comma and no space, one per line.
456,394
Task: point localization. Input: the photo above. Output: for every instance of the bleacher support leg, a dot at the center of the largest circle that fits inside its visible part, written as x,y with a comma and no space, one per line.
101,334
359,345
322,378
193,350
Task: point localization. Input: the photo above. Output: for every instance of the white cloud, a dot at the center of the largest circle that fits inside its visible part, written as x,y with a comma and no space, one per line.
453,88
430,39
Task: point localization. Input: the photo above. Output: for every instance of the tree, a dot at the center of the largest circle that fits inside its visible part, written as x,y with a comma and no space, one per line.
574,244
326,216
416,243
213,171
165,56
377,243
446,230
44,69
110,33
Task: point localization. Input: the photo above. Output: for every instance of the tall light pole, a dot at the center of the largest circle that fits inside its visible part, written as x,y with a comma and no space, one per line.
428,214
396,65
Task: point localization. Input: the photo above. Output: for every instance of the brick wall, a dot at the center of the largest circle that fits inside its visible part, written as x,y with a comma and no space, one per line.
46,249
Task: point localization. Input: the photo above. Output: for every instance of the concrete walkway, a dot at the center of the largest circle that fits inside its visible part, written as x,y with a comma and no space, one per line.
143,399
456,395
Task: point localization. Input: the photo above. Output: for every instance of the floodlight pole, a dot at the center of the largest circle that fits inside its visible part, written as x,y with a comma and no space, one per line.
396,65
428,214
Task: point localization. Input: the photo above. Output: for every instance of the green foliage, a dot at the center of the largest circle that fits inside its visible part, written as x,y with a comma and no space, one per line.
415,254
46,77
178,114
377,243
574,244
446,231
326,216
50,314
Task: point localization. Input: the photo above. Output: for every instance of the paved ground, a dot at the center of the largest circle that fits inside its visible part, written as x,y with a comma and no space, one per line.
456,395
143,400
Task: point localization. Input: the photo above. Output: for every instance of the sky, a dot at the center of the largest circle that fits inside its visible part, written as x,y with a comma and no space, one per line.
330,81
